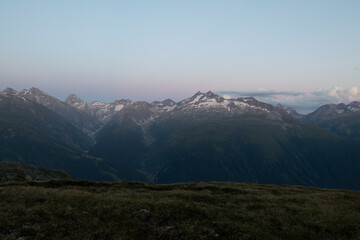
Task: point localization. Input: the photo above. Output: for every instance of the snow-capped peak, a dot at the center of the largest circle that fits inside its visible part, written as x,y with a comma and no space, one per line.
199,97
211,102
36,95
33,93
34,90
354,106
164,106
102,111
9,92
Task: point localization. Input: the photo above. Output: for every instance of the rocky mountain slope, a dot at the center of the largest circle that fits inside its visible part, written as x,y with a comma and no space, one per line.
33,134
20,113
203,138
99,110
342,119
210,102
291,111
209,138
82,120
332,111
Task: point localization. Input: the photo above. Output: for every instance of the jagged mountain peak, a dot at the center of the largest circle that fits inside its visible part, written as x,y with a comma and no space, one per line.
247,99
197,93
354,103
75,101
354,106
122,101
73,97
36,90
9,91
169,101
140,104
166,102
103,112
330,111
211,102
286,108
36,95
72,114
290,111
209,94
201,97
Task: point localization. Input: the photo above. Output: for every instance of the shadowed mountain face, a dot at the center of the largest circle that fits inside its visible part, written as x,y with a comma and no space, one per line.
30,133
26,116
291,111
202,138
251,149
100,111
80,119
207,138
341,119
330,111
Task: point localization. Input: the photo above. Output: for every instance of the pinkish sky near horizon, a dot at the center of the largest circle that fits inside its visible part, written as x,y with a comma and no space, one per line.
303,53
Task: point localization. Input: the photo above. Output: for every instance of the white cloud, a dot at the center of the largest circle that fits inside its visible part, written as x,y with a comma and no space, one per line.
345,95
303,102
335,91
354,91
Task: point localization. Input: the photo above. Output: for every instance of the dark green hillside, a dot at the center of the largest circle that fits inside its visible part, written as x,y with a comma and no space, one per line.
32,134
228,211
341,119
29,118
122,143
82,120
346,125
217,147
247,148
36,150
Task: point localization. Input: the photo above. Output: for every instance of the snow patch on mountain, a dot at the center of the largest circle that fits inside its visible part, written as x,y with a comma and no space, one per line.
119,107
9,92
210,100
102,111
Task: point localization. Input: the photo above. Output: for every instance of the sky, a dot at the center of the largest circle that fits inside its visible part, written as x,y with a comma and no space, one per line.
300,52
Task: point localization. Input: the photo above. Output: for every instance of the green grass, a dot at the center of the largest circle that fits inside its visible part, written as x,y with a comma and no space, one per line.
86,210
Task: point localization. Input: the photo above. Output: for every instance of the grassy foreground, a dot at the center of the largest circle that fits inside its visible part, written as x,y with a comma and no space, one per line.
87,210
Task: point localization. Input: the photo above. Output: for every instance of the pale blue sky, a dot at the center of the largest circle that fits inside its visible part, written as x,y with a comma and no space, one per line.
151,50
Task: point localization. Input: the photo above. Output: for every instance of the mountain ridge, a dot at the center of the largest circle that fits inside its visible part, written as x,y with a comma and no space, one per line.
202,139
205,137
32,134
78,118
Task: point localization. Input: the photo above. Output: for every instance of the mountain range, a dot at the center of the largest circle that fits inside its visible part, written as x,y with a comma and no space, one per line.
202,138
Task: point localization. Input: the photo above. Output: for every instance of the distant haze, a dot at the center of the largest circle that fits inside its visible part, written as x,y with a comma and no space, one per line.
303,53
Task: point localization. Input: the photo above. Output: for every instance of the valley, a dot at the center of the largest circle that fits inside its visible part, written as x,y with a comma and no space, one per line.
202,138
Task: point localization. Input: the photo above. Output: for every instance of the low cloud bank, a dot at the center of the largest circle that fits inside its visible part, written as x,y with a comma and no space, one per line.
303,102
